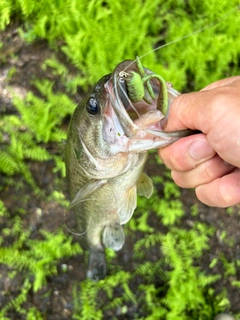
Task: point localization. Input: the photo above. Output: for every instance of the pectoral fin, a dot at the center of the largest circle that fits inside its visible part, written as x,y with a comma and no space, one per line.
113,237
87,190
145,186
128,205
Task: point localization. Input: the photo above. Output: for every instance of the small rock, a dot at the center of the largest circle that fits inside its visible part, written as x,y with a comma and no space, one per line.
224,316
64,267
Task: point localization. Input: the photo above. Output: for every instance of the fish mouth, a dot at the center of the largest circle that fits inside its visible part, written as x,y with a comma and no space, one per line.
138,115
141,120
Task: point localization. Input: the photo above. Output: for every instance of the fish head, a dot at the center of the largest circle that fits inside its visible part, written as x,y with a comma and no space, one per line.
96,139
142,118
112,129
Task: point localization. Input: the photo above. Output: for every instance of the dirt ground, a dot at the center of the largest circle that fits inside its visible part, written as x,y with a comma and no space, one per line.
27,60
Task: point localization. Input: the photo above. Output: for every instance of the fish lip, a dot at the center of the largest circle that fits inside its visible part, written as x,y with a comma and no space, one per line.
140,120
113,127
124,119
122,106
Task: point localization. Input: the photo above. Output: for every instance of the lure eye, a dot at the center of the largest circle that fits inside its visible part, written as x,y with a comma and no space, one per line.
92,106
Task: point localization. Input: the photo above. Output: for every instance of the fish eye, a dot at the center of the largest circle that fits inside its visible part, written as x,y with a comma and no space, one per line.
92,106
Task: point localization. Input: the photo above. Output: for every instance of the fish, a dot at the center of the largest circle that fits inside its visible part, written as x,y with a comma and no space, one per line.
107,145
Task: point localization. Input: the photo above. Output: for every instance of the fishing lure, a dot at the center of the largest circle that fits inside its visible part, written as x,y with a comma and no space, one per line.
139,87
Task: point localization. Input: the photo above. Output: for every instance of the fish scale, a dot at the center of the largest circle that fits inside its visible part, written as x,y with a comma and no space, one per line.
106,151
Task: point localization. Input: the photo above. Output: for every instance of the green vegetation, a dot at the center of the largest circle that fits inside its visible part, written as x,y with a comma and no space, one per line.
35,259
94,36
37,124
88,32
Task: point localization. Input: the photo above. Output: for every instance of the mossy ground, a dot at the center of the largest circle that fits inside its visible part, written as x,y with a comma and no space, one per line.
54,300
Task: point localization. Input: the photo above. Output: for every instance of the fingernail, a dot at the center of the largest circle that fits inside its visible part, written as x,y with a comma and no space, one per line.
200,149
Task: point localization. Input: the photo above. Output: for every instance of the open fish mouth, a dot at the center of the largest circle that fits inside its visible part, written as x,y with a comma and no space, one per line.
140,102
136,107
128,112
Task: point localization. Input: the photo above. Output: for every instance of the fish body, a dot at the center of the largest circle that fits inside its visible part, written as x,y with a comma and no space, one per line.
108,139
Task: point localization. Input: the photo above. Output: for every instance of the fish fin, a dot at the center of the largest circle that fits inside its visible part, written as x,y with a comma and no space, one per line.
96,265
113,237
129,203
145,186
84,192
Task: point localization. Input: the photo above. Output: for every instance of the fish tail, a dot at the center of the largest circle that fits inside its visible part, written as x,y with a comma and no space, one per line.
97,265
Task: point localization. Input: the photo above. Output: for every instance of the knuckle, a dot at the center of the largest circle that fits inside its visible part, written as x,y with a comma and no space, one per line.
178,162
180,179
212,195
209,171
203,194
170,158
222,198
187,100
164,156
174,162
213,169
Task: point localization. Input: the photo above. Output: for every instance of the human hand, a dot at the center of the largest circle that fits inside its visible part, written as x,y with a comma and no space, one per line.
210,161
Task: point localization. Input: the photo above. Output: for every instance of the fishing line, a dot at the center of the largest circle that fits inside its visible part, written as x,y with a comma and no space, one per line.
192,33
211,25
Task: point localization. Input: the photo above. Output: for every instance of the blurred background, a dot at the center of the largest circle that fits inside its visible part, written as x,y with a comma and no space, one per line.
181,259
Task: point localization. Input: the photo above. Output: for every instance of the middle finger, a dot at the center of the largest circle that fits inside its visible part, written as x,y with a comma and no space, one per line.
204,173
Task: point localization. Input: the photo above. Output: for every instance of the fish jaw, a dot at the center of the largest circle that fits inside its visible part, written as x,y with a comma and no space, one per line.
113,130
146,131
128,126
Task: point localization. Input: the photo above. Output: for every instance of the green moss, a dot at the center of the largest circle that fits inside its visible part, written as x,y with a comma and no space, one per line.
32,260
171,284
38,124
131,28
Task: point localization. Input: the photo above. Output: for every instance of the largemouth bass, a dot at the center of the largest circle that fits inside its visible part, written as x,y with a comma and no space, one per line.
109,135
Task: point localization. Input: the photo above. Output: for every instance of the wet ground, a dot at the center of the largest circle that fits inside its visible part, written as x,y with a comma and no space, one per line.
26,62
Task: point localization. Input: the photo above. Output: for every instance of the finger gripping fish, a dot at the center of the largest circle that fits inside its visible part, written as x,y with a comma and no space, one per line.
109,135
